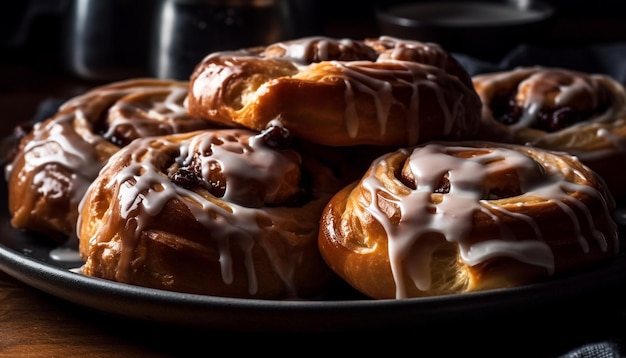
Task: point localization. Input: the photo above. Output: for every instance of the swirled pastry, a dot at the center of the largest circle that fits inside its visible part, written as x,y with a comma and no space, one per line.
224,213
448,218
385,91
559,109
58,158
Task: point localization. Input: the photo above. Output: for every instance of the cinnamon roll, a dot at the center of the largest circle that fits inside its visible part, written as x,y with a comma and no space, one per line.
340,92
559,109
58,158
450,218
227,212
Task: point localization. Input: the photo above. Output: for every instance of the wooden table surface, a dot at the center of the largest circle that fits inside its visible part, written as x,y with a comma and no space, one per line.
36,324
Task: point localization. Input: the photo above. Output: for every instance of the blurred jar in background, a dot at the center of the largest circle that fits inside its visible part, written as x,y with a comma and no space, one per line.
107,40
187,30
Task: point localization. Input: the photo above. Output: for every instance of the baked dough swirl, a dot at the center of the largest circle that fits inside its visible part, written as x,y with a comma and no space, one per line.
224,213
58,158
340,92
559,109
448,218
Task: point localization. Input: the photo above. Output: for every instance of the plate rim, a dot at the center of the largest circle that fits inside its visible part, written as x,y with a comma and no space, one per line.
202,311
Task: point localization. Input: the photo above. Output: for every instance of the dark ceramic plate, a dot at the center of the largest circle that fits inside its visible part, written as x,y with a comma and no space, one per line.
32,260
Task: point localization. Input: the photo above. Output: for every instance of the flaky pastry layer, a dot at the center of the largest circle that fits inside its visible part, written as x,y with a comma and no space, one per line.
382,91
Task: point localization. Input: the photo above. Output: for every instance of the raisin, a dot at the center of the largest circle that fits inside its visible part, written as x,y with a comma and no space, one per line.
506,110
564,117
444,185
185,178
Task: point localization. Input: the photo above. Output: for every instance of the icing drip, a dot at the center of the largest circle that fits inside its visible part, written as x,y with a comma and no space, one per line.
359,76
423,212
57,143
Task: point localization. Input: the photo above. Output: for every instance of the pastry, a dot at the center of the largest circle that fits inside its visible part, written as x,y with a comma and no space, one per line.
228,212
340,92
57,159
559,109
458,217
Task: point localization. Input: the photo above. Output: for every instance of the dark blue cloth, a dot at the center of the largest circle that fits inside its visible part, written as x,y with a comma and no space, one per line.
595,350
609,59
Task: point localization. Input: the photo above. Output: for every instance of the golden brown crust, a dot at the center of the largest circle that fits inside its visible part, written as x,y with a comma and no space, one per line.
587,112
384,91
212,212
447,218
432,54
59,157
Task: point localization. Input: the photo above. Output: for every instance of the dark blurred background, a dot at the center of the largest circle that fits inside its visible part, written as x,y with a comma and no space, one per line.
39,32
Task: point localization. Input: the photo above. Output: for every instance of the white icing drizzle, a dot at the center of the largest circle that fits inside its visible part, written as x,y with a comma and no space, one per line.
65,254
358,79
453,216
143,191
165,115
361,77
56,142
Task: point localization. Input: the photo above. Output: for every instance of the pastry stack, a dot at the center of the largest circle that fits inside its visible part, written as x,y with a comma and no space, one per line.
276,171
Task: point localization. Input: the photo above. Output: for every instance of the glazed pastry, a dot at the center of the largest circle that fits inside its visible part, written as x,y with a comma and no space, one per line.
225,213
559,109
385,91
58,158
451,218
